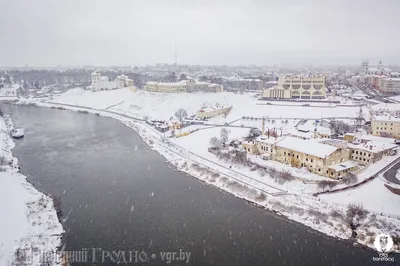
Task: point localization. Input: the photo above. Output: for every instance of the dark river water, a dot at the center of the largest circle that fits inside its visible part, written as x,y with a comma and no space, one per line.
119,195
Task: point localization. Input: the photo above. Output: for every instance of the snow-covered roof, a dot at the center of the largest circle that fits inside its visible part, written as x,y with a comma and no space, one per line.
301,134
213,85
386,107
343,166
179,83
386,118
96,73
373,146
308,146
393,79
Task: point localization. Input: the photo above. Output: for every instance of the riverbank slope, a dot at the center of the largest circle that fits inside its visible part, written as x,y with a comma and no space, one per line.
29,225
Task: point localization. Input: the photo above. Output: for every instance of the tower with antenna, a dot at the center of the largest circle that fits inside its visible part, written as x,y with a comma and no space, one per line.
175,57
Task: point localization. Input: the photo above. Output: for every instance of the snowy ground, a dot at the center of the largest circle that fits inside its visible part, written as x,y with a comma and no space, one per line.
28,220
189,154
164,106
367,195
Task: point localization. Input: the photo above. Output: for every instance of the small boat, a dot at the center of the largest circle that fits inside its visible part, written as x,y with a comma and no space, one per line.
17,133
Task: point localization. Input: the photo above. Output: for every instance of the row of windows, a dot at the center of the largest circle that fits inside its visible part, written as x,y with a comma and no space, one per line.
360,159
386,124
356,152
297,156
391,134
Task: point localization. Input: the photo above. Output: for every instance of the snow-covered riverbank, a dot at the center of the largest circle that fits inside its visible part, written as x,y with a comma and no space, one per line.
328,217
29,226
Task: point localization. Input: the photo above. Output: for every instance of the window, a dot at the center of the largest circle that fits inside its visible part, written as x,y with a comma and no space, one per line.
297,157
311,160
284,153
307,159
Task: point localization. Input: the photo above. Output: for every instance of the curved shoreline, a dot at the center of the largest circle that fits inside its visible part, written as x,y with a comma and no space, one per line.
42,228
306,210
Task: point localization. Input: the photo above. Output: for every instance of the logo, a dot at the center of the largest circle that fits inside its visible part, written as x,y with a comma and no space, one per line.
383,243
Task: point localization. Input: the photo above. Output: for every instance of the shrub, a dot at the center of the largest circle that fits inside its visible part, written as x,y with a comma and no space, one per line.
355,213
336,214
261,197
286,175
350,178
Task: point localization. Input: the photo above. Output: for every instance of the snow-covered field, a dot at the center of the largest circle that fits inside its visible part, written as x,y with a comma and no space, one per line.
28,219
292,199
164,106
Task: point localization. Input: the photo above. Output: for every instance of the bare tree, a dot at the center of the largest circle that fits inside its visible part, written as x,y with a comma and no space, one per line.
215,142
181,114
286,175
350,178
331,184
355,214
183,77
339,128
253,133
323,184
224,134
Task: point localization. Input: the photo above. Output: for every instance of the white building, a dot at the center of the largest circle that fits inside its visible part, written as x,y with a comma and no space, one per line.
297,87
101,83
183,86
390,85
380,69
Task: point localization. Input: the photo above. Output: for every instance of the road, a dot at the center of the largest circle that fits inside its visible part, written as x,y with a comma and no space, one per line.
390,175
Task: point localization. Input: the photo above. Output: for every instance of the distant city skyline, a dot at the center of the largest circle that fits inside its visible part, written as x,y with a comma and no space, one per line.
47,33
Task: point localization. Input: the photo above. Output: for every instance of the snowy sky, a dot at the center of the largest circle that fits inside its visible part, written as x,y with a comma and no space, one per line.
232,32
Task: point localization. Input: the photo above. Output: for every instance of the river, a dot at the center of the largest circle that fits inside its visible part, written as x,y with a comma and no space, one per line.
119,195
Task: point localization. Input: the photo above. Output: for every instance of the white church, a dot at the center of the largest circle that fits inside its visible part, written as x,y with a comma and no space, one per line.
101,83
380,69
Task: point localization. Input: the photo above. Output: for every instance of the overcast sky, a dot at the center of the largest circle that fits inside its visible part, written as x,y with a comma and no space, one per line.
232,32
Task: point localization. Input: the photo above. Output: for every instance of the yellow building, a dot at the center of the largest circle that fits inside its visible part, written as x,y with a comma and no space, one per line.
209,112
349,137
321,159
183,86
174,125
297,87
370,151
168,87
386,126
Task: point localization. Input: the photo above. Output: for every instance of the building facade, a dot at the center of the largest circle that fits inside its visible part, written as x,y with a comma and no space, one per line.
321,159
183,86
386,126
297,87
209,112
389,85
101,83
380,69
